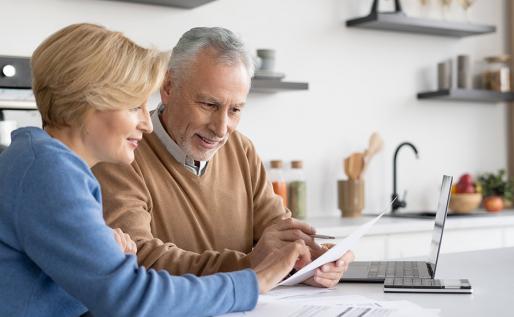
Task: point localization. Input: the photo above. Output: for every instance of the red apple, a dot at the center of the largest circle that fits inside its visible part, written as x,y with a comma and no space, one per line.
466,179
469,189
493,203
465,188
465,184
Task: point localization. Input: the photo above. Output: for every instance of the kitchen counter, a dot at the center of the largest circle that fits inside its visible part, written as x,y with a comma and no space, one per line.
341,227
396,238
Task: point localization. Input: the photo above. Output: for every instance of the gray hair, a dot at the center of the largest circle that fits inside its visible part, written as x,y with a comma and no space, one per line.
229,47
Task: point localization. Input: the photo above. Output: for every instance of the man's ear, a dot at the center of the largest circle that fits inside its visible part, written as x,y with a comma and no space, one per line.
166,88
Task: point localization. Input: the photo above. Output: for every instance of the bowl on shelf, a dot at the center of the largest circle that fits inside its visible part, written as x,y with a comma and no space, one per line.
464,203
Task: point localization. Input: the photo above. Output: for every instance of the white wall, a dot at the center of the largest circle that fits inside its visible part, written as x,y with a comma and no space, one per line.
360,81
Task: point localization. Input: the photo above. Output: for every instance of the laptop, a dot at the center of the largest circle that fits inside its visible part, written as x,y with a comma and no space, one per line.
378,271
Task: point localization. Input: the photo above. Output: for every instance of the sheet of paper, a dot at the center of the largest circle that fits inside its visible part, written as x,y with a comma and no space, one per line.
326,303
291,310
311,295
331,255
297,292
345,306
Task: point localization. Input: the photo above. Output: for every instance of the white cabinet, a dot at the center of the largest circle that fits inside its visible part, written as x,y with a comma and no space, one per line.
394,238
371,248
508,237
402,245
472,239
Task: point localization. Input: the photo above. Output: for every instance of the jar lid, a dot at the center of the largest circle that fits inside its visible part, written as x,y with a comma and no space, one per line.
297,164
498,59
277,164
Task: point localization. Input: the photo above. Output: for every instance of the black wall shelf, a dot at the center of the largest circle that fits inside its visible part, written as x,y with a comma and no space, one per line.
401,23
274,85
470,95
185,4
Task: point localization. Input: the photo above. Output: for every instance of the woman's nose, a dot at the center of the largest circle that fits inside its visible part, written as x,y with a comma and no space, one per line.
145,123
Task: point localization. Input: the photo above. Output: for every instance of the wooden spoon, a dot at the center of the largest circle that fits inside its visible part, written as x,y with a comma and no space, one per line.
375,145
346,166
356,165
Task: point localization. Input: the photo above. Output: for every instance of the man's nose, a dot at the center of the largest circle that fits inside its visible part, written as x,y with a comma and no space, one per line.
219,124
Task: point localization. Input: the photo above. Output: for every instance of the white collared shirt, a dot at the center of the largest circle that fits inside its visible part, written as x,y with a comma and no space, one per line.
172,147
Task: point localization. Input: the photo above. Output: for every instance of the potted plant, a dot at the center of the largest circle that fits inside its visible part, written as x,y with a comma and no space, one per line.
497,190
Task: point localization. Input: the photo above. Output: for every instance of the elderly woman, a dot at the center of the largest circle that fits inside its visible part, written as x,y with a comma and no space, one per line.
57,256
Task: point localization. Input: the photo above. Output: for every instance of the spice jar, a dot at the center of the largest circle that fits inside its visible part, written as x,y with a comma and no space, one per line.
278,181
297,190
497,75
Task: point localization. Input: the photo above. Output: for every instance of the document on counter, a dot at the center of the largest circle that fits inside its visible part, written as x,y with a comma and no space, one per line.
303,303
309,310
332,254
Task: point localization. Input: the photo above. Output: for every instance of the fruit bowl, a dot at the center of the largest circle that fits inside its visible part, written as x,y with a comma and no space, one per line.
465,202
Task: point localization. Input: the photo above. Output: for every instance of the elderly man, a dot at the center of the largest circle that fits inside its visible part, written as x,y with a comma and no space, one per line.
196,199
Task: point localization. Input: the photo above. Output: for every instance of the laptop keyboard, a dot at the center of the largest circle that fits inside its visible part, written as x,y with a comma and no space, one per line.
391,269
407,282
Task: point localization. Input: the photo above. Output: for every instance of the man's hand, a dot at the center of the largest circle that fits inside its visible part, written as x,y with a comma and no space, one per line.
328,275
278,263
280,234
124,241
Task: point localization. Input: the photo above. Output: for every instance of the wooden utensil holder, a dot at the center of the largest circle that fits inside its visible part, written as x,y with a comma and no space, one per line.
350,194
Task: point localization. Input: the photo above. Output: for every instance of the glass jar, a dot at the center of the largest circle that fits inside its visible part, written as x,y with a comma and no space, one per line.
297,190
276,175
497,75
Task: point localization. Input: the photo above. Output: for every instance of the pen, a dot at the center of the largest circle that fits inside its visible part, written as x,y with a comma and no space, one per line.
321,236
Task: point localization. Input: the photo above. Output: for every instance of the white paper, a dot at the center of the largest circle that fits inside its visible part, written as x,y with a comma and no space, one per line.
332,254
298,292
270,305
308,310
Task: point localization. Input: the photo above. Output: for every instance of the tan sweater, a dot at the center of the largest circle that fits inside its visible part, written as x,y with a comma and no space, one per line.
186,223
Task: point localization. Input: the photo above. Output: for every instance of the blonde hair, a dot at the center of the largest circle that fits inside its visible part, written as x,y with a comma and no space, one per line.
83,67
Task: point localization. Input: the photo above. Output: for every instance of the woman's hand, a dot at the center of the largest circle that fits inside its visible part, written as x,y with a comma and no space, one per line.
124,241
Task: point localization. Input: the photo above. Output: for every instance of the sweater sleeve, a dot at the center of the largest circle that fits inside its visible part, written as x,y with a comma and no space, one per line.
127,205
267,206
60,227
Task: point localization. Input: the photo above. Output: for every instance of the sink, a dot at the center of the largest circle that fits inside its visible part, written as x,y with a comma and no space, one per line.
431,214
412,214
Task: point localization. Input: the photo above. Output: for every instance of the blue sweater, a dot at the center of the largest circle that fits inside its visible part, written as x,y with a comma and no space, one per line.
58,258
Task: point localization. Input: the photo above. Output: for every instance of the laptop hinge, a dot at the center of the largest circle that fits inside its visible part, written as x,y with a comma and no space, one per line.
429,268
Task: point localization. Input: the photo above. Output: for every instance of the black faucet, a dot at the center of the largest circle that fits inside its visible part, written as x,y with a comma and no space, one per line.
397,203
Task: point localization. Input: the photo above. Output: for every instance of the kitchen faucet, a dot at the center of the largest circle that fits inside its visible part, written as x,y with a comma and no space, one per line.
397,202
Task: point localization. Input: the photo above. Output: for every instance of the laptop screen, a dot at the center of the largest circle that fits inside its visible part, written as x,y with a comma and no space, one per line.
440,218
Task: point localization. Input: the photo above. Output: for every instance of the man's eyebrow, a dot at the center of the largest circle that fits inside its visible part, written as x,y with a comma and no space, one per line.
208,99
212,100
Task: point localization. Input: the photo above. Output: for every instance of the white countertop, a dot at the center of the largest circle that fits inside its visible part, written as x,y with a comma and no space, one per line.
490,274
341,227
